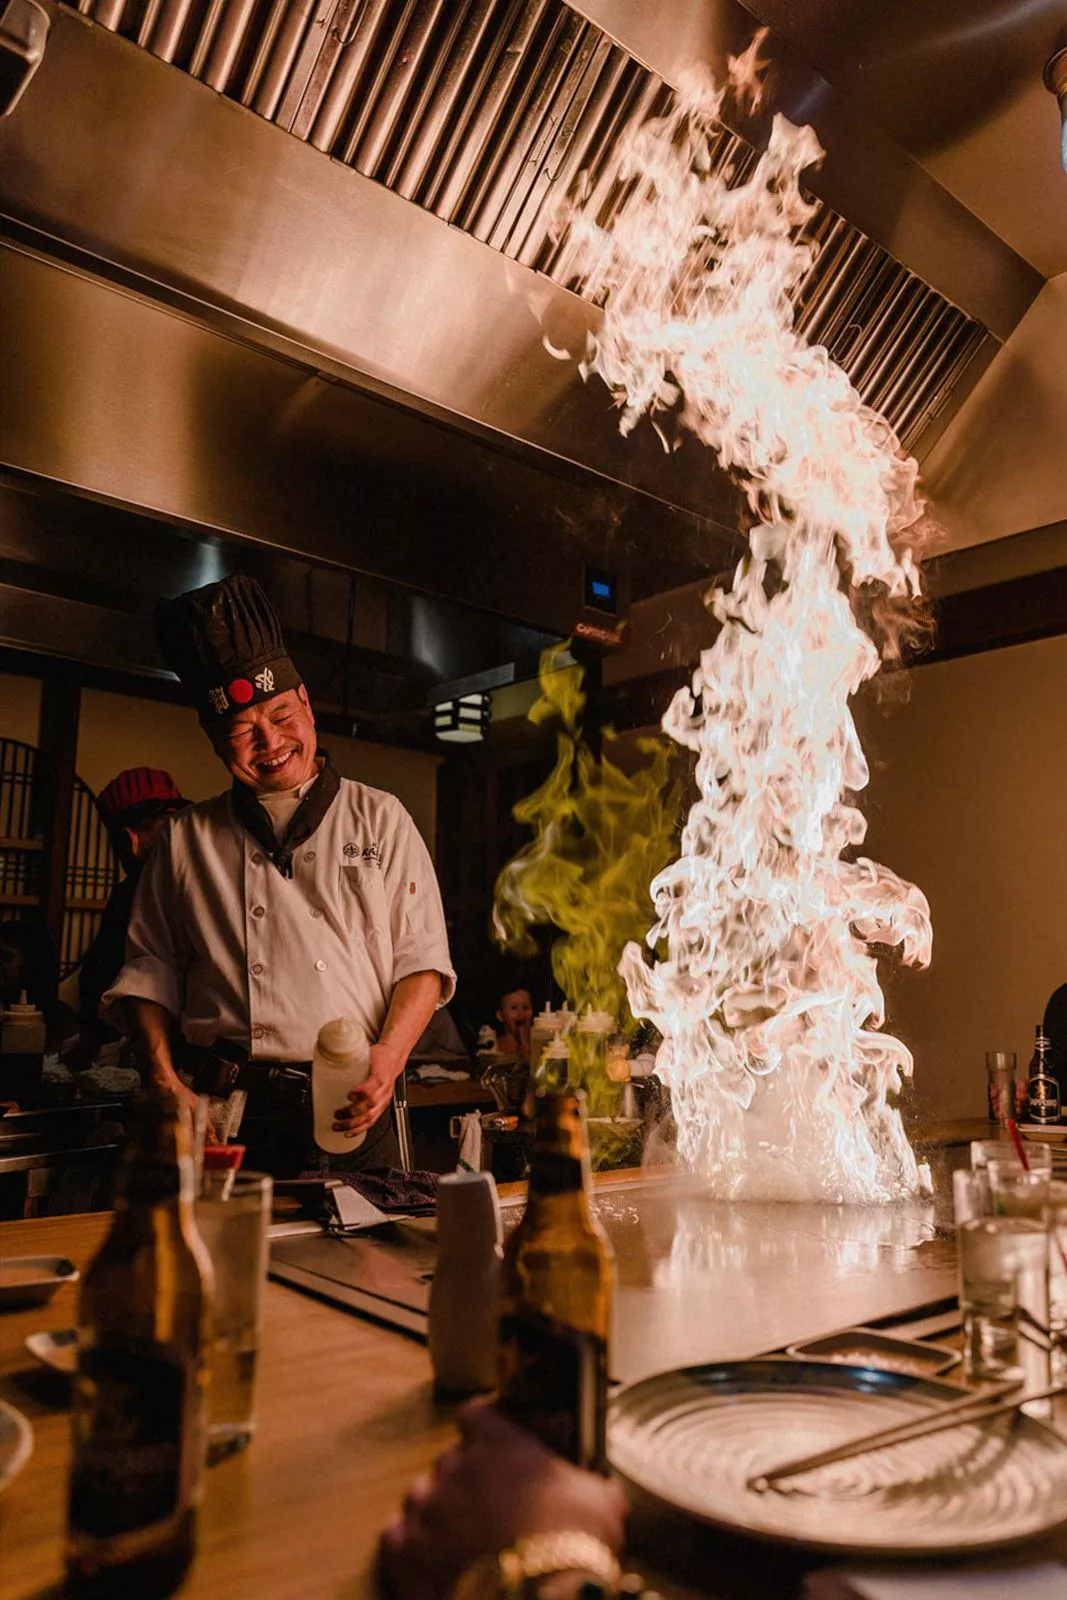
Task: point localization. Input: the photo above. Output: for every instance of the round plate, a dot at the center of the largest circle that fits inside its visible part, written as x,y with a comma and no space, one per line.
692,1438
16,1443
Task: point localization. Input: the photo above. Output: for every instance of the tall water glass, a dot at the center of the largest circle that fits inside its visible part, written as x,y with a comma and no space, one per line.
234,1230
1003,1276
1000,1085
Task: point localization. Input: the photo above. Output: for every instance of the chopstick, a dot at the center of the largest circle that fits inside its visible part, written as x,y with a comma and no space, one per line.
958,1413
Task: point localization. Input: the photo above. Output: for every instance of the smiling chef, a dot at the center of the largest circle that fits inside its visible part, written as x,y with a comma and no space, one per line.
296,897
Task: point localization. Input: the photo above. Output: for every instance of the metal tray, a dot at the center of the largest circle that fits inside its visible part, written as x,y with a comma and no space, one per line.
869,1347
691,1439
32,1280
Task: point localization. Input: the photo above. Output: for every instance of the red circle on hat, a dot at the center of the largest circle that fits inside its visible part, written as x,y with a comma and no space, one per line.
240,691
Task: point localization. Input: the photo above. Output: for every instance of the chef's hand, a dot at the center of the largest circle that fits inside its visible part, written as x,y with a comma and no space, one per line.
367,1103
499,1485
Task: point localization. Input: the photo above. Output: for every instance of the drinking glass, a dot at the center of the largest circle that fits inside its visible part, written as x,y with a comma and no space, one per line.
1000,1085
1004,1286
234,1230
1057,1279
983,1151
1017,1192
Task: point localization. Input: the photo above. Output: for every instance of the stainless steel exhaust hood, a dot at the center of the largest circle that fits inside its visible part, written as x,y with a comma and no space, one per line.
330,200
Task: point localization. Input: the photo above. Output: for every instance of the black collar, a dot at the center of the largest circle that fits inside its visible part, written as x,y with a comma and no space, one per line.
310,812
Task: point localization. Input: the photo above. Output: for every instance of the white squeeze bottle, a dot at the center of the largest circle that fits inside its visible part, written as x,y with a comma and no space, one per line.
341,1062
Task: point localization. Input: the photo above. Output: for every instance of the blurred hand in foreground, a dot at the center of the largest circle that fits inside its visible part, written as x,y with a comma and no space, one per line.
498,1485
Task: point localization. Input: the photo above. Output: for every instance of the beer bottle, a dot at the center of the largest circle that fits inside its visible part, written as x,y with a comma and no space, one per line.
1044,1101
138,1412
558,1279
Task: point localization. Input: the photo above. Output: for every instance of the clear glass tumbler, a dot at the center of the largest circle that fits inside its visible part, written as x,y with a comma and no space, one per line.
234,1230
1004,1284
983,1151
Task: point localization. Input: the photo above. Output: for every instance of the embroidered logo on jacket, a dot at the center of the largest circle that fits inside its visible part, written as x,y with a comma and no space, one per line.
370,853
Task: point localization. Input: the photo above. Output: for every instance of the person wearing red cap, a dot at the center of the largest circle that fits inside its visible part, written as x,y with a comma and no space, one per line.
295,898
133,807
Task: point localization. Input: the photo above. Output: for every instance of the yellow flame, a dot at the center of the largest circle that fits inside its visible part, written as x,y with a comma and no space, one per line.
768,996
600,836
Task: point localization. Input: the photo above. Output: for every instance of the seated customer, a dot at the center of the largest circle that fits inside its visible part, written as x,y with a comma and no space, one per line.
497,1487
515,1019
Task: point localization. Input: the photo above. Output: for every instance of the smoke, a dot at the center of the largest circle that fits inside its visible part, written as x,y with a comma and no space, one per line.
600,835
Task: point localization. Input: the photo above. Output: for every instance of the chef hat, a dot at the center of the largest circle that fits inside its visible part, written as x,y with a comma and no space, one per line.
135,795
225,644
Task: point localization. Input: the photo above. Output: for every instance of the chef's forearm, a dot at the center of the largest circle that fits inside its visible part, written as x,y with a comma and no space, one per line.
148,1025
413,1003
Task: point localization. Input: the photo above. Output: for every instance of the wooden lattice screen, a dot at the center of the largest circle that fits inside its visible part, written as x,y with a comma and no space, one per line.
91,865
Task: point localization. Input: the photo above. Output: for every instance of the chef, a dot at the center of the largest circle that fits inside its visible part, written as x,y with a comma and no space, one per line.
294,898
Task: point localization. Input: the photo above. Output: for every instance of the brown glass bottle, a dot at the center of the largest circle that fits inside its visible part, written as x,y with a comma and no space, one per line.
138,1413
558,1281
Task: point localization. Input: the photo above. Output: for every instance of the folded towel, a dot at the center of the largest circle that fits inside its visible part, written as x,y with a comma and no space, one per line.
470,1143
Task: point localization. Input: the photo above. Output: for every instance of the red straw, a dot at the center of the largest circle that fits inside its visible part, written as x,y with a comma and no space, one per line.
1020,1148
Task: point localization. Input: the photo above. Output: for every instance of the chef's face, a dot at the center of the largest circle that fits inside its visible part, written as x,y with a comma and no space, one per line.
271,746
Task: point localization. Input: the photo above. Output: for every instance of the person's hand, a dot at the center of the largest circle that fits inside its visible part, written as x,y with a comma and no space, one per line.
499,1485
367,1103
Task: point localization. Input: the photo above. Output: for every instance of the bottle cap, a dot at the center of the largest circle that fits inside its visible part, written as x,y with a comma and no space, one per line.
592,1021
552,1020
556,1049
342,1040
23,1010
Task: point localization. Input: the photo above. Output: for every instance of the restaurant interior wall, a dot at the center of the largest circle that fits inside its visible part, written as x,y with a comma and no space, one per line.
118,730
966,799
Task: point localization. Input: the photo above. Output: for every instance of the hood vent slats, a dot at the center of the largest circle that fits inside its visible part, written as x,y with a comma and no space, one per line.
484,112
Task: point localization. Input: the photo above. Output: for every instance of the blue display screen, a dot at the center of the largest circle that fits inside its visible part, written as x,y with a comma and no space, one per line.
601,590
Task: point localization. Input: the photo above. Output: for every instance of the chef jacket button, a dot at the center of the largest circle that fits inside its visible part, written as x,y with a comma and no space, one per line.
258,911
257,859
315,912
259,1033
310,856
257,968
320,966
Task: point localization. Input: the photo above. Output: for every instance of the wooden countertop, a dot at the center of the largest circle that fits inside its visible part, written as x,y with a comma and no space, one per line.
346,1420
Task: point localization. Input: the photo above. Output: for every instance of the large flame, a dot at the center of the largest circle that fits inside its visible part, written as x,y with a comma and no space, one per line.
768,998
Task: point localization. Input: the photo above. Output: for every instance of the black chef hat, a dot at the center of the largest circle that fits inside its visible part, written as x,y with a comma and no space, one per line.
225,644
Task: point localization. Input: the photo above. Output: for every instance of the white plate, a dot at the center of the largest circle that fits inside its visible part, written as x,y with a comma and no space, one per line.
692,1438
1043,1132
31,1280
16,1443
57,1349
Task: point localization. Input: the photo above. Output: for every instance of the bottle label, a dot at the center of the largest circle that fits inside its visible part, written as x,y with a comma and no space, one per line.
130,1417
1044,1100
556,1386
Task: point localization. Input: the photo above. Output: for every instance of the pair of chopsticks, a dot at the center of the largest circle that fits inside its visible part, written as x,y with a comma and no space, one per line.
957,1414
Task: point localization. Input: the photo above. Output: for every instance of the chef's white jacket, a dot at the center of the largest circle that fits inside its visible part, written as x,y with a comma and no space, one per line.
235,951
